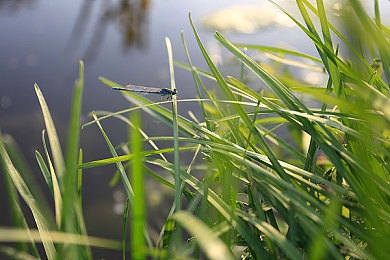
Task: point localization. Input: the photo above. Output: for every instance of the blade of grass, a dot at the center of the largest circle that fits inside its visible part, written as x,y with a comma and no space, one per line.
221,206
117,160
213,247
81,227
53,181
178,234
72,217
196,78
72,156
238,108
124,227
375,35
55,146
125,179
22,188
292,103
13,235
138,247
175,131
18,218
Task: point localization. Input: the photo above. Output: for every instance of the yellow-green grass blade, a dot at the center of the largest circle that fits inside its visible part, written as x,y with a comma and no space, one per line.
212,246
24,191
126,120
55,146
243,114
115,159
16,253
197,79
138,209
72,156
17,234
52,181
175,127
15,206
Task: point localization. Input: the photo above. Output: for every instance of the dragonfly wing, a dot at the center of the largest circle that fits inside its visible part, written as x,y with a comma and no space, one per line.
142,89
147,90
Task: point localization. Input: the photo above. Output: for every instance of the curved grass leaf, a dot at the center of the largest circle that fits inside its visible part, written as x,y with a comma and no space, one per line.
25,193
213,247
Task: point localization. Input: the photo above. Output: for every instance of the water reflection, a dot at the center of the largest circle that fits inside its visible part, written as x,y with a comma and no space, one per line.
16,6
131,17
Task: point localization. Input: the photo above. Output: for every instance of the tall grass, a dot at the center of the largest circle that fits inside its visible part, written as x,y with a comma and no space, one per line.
329,200
63,234
261,196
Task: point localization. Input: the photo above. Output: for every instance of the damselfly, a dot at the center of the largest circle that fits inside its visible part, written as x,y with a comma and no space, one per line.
148,90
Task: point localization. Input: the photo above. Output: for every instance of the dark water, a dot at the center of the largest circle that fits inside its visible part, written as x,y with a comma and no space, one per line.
42,41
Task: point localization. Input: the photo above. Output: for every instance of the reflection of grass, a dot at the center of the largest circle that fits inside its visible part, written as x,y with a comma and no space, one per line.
260,195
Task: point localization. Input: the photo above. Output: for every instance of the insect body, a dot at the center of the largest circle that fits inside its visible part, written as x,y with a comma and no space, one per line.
148,90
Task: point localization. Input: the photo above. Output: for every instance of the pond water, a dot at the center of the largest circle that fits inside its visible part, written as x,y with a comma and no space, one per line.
42,42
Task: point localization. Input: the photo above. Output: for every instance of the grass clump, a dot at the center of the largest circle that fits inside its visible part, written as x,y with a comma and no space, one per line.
62,234
261,196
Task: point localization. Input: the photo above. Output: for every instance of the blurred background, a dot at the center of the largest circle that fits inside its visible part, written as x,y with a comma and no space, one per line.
42,41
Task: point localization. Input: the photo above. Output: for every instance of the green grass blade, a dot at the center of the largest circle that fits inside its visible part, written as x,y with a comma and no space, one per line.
226,211
72,218
277,50
25,193
13,253
175,132
53,181
137,179
13,235
197,80
125,179
81,226
18,218
124,228
55,146
243,114
375,35
176,154
128,122
72,153
117,160
211,245
45,171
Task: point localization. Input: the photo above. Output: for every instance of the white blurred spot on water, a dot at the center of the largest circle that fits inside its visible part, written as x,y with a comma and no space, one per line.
119,205
5,102
246,18
31,60
314,78
155,198
118,208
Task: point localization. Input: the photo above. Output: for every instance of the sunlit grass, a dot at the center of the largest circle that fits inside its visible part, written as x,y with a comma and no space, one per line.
63,234
260,195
